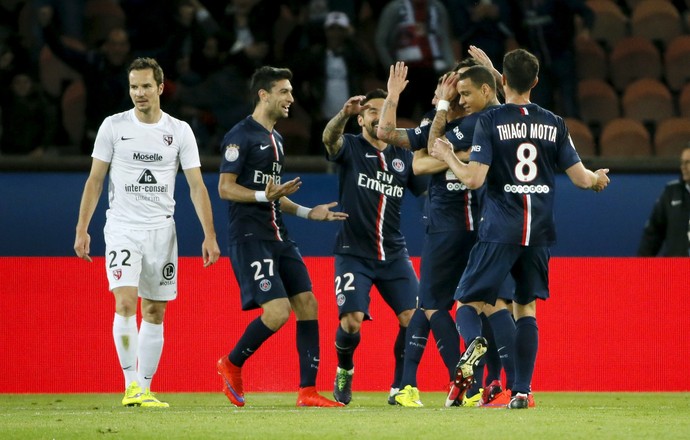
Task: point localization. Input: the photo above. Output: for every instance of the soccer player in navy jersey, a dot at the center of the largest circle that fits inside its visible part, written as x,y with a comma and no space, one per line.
516,150
370,249
450,231
267,264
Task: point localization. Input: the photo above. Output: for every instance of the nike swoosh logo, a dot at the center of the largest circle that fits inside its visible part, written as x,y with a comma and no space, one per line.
263,147
125,139
676,202
419,337
148,378
370,155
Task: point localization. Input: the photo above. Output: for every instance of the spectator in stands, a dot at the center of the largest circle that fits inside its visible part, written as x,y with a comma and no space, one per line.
667,232
547,28
104,72
485,24
28,118
330,72
418,33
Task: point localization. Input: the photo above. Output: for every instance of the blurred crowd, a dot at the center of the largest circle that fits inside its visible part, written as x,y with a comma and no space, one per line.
64,62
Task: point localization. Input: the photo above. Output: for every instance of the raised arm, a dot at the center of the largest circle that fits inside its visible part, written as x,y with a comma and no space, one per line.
333,133
447,92
387,130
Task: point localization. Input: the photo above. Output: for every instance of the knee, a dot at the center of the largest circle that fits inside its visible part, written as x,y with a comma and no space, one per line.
351,322
276,314
405,317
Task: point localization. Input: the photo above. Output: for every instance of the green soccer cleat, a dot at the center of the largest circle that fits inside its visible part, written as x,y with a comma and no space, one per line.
132,395
409,397
342,386
148,400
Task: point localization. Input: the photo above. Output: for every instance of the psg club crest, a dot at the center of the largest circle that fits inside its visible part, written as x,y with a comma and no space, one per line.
117,273
340,299
265,285
398,165
168,139
232,152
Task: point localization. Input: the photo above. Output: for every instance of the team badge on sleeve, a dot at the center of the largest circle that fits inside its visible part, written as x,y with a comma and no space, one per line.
232,152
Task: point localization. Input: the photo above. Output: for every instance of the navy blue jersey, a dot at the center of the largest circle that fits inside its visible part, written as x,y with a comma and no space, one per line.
523,145
371,187
450,205
255,155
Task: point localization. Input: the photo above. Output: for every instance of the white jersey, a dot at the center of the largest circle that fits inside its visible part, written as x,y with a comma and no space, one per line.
144,159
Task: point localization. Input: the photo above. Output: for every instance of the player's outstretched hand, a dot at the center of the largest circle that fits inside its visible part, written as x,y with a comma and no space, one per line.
323,213
602,179
275,191
354,106
82,246
481,57
397,79
210,251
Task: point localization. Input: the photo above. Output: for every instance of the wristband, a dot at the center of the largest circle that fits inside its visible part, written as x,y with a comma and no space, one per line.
260,196
442,105
303,212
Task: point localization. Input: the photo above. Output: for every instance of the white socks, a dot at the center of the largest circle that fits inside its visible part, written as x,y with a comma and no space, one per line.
150,349
125,337
146,346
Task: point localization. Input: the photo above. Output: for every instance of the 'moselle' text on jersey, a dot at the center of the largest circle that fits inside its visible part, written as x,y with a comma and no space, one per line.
523,145
255,155
371,186
144,159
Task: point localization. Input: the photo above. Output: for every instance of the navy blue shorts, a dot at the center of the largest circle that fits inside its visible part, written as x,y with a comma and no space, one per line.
266,270
395,280
444,258
491,263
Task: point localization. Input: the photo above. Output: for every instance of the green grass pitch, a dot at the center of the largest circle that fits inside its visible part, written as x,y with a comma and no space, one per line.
274,416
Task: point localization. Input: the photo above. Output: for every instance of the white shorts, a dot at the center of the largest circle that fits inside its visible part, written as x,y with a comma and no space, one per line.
146,259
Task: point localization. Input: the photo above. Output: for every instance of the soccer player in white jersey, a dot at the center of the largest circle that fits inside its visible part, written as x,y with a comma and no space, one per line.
141,150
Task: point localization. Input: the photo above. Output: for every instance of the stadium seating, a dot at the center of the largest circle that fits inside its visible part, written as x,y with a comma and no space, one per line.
657,20
677,62
582,137
625,138
590,59
633,58
648,101
684,101
598,102
610,25
672,136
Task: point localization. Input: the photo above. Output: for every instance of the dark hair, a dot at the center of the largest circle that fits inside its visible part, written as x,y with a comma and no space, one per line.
479,75
143,63
374,94
264,78
467,62
520,69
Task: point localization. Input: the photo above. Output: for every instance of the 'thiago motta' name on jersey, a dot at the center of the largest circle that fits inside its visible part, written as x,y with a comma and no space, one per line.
519,131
